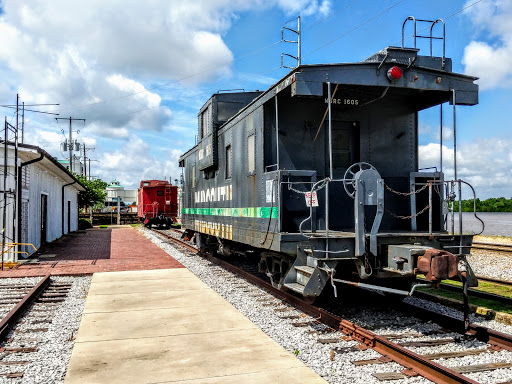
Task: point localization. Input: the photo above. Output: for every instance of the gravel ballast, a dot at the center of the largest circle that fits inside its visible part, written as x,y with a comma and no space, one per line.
49,364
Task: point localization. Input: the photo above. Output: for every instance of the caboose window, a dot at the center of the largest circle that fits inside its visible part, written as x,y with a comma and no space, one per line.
193,176
159,193
206,118
228,162
146,184
251,160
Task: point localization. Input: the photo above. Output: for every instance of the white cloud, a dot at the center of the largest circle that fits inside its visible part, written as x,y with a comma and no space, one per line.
80,53
136,160
486,164
305,7
432,132
121,65
489,61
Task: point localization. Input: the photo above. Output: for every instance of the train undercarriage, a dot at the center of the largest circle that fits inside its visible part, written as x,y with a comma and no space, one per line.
389,274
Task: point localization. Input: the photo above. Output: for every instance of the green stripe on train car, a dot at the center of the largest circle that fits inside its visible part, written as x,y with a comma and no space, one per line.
256,212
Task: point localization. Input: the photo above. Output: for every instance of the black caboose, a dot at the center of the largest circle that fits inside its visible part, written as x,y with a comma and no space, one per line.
319,175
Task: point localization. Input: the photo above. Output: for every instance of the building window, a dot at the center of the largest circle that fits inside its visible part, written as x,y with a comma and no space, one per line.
193,176
251,158
228,162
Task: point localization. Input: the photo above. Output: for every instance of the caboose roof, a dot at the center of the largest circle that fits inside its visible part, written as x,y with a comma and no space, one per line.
428,79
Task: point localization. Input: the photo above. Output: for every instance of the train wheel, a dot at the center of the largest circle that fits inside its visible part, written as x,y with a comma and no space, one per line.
275,266
277,281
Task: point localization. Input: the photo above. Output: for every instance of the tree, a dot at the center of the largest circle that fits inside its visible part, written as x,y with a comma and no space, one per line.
94,192
493,204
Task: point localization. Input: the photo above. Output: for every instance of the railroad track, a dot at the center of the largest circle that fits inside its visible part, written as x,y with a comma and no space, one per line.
478,293
505,248
413,363
29,309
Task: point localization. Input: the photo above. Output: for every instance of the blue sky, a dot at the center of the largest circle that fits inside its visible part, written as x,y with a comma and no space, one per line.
138,74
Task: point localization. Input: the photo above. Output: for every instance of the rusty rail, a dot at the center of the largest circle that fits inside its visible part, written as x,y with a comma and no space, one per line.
498,247
415,364
496,339
177,241
14,314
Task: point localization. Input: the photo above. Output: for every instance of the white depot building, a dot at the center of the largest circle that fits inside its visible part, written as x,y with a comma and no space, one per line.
38,200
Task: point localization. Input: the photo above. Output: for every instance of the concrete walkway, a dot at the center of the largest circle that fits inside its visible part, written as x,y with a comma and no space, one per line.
167,326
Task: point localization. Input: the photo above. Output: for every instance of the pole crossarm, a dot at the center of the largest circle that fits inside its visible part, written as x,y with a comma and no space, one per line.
71,119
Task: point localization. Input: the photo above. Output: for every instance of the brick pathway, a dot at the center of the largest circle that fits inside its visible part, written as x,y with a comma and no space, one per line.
97,250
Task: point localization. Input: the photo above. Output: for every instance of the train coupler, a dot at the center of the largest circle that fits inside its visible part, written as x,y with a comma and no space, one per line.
438,265
187,234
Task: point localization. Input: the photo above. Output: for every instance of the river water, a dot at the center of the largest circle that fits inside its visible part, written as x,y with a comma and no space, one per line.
496,223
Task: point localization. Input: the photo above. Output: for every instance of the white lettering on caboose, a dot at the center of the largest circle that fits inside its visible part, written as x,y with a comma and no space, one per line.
213,194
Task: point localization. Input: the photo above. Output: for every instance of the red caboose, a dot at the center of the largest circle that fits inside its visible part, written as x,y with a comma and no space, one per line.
158,203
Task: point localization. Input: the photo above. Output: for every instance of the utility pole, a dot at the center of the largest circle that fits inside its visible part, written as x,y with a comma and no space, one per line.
85,160
90,173
71,144
14,194
16,106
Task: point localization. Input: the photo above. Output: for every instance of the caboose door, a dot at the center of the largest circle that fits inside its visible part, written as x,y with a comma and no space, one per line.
345,152
345,146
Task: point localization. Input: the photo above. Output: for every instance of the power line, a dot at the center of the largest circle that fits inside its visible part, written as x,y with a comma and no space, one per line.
201,72
329,16
355,28
445,18
252,53
255,52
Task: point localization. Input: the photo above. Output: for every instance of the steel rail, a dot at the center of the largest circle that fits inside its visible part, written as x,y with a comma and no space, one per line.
496,281
477,293
497,340
177,241
505,246
14,314
493,248
413,362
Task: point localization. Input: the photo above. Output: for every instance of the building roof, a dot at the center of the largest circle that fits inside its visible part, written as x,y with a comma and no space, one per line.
115,184
32,153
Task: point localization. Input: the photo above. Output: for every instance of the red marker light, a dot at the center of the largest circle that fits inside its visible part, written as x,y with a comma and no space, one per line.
394,73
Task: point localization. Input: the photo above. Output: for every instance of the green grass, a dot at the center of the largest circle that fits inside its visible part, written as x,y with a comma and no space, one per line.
497,289
103,226
135,225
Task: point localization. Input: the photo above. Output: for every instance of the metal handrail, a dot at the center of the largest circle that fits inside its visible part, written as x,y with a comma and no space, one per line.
430,37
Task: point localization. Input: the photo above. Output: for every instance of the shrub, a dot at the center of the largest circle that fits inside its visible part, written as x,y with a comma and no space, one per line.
84,223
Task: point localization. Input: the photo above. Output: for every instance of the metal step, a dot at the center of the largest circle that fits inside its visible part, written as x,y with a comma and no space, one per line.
305,269
311,261
295,287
